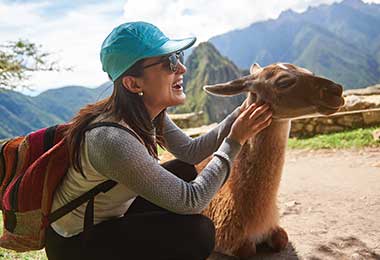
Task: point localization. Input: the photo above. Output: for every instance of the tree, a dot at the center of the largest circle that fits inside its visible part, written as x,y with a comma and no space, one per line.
19,59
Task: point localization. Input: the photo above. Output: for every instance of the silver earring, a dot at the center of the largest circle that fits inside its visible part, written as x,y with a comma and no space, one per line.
141,93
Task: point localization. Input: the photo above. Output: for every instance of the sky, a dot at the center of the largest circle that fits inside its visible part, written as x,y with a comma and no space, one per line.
73,31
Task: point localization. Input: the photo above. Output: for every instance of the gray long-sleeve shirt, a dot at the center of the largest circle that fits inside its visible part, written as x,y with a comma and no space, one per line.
112,153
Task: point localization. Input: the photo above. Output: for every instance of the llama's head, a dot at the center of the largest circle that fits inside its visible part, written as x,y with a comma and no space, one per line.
291,91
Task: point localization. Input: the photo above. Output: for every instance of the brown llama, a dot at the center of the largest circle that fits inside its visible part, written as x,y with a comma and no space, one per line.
245,210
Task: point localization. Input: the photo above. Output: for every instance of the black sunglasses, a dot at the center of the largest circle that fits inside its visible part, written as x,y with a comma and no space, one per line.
172,60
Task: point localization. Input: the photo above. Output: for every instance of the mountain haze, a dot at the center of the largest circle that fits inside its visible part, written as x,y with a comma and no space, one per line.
339,41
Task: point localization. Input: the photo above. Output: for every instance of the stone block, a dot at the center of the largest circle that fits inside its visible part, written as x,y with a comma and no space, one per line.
188,120
325,129
350,120
371,117
296,126
309,128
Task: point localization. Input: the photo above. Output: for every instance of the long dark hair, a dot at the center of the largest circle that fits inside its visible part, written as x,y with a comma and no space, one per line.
123,105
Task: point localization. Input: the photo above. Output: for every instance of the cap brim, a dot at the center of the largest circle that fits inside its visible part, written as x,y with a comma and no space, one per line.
171,46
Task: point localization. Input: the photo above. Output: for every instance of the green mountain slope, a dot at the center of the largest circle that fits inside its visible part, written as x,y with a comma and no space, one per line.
19,114
66,101
347,20
205,66
329,56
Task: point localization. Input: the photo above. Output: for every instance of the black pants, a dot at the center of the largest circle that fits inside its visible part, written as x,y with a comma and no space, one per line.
145,232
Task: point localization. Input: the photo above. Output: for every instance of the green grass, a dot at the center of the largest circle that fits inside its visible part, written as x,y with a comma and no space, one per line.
11,255
357,138
160,150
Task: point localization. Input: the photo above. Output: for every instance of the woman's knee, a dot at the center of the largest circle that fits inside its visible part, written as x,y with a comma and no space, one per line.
202,234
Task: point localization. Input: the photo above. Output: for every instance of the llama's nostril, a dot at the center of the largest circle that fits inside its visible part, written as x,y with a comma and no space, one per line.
334,89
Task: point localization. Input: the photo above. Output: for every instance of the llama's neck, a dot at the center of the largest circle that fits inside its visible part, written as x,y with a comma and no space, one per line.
259,164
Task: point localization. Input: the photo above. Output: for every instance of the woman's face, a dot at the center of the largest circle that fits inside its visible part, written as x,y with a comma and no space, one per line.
162,87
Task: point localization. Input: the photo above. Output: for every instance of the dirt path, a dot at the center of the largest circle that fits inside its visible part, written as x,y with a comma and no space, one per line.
330,205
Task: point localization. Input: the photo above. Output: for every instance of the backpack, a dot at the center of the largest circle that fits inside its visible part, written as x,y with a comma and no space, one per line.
31,168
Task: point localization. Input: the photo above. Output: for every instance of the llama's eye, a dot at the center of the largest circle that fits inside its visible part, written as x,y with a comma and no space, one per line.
284,82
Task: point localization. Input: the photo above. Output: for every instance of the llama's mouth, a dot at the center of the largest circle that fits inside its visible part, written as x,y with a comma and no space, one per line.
330,99
333,105
326,110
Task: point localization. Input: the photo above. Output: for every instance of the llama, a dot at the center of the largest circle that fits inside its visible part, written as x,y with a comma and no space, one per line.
244,210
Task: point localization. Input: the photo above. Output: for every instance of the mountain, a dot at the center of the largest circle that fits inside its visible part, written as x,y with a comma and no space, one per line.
66,101
206,65
20,114
339,41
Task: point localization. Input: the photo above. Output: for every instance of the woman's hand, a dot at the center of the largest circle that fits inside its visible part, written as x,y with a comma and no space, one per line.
244,105
251,121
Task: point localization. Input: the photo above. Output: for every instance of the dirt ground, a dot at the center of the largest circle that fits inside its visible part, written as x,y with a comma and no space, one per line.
330,205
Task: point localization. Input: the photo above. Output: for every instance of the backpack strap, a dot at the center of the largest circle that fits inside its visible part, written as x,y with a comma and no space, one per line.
112,124
102,187
49,137
2,160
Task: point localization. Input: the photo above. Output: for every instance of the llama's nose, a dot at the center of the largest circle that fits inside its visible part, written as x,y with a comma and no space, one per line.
334,90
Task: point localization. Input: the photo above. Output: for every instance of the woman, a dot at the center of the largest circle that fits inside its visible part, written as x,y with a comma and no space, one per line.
154,210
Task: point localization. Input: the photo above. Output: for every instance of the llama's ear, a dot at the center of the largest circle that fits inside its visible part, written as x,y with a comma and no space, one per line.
255,68
230,88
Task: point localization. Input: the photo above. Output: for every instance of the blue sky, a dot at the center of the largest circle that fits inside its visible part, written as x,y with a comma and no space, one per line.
74,30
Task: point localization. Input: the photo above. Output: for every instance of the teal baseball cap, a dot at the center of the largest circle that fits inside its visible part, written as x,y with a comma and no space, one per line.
131,42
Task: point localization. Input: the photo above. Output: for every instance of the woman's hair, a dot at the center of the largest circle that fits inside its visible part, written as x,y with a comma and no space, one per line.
123,105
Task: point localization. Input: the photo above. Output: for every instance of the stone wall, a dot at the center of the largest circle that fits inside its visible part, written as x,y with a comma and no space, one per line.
188,120
308,127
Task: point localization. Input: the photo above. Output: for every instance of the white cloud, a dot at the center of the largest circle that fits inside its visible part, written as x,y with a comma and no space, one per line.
76,33
16,16
205,18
